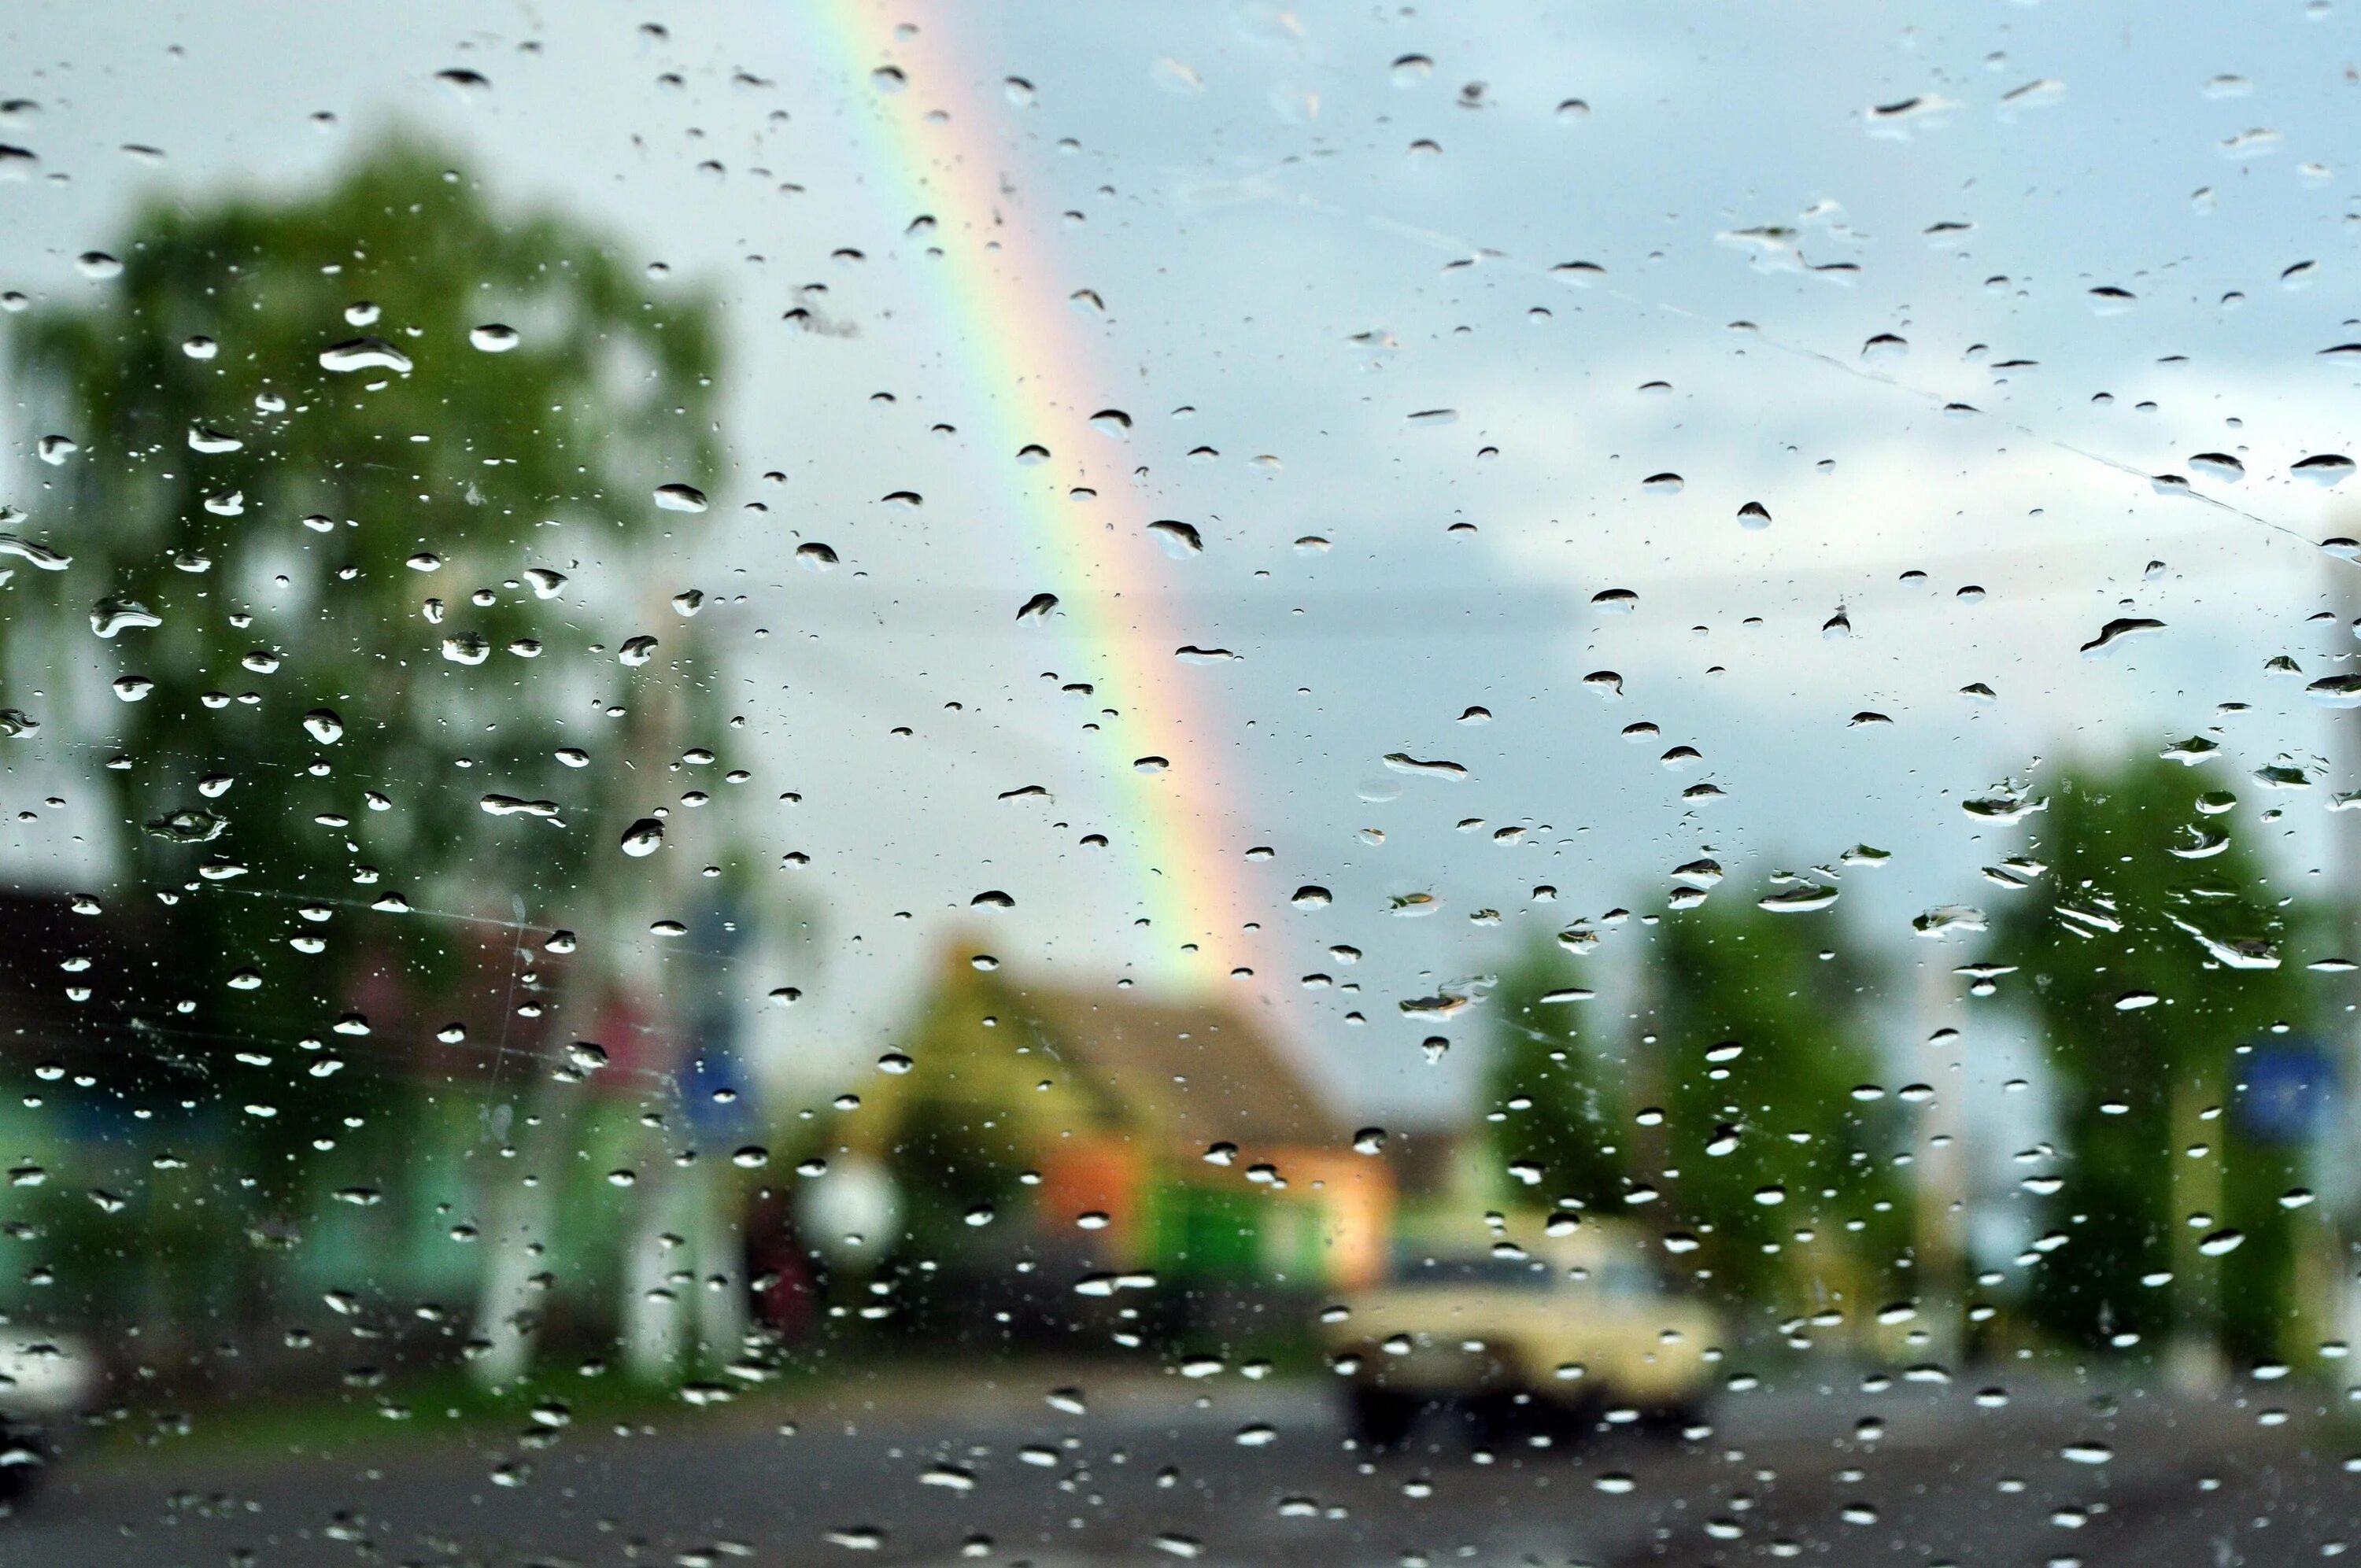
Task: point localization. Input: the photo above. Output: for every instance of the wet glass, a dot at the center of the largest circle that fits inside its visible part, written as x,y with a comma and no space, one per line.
1066,784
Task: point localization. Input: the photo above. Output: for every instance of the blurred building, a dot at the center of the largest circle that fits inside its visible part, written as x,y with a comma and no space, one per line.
1176,1134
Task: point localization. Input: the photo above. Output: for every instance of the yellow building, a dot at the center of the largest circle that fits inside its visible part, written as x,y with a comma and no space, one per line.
1172,1135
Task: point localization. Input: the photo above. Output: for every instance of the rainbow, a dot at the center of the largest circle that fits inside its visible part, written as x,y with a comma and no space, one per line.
1026,372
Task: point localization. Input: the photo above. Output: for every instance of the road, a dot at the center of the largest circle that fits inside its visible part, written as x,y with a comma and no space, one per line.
1230,1472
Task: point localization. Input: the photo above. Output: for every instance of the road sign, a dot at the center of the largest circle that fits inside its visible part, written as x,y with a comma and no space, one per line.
2286,1092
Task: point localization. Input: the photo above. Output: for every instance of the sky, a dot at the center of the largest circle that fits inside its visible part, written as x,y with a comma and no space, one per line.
1443,290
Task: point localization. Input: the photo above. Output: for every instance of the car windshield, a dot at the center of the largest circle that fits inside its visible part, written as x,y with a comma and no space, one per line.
796,782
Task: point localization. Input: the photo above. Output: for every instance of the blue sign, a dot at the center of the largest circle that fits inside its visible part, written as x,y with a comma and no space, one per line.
2286,1092
713,1079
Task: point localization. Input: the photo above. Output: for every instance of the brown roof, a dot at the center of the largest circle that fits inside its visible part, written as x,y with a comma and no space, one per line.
1200,1073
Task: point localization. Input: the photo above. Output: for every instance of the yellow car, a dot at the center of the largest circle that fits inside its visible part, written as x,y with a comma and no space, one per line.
1545,1337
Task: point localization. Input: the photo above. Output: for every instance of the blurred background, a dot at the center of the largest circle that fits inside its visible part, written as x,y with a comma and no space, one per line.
809,778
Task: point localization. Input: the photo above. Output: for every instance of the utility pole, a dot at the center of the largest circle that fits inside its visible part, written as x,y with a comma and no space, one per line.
2342,1221
1940,1160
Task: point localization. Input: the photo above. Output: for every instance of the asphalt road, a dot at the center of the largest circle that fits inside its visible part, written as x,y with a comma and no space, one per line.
1229,1472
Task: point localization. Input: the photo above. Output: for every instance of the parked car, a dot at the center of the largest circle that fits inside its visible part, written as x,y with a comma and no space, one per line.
1548,1336
45,1380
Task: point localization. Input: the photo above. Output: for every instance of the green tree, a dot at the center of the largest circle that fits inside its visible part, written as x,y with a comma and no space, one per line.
2148,954
356,471
960,1129
1761,1045
1564,1123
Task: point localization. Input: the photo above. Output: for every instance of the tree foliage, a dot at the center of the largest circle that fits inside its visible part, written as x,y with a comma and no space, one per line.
354,680
1761,1045
2149,954
1553,1087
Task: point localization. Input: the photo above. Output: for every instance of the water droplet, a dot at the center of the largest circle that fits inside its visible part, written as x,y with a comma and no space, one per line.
187,826
1038,608
1180,540
364,354
1665,483
1403,762
496,805
2234,952
586,1056
39,555
114,614
2121,629
2006,803
858,1537
1949,920
679,498
2326,468
637,651
493,337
